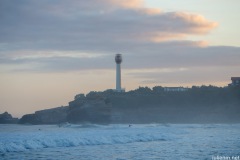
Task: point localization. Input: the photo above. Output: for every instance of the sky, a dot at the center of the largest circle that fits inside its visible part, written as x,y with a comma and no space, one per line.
51,50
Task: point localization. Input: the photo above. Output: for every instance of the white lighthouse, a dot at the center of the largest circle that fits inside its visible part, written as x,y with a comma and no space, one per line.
118,60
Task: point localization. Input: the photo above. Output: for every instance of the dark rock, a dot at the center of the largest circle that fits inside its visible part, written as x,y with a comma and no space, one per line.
92,111
7,118
48,116
30,119
53,116
206,104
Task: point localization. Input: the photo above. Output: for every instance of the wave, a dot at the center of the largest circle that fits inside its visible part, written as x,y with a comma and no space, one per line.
86,125
79,135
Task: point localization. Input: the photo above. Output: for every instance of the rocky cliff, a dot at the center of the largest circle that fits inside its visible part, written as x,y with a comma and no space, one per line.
196,105
6,118
81,110
48,116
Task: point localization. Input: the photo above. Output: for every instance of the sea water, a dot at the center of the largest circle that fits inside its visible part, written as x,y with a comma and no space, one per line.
120,141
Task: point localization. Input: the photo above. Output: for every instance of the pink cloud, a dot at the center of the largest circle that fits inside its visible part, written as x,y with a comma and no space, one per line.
200,25
114,22
127,3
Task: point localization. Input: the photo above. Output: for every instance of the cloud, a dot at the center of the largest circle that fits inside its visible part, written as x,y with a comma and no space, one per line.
199,24
166,57
83,24
61,35
186,77
127,3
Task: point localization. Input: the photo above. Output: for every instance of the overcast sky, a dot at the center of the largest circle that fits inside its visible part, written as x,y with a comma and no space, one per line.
51,50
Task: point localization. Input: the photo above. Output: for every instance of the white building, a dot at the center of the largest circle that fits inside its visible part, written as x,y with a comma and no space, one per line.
175,89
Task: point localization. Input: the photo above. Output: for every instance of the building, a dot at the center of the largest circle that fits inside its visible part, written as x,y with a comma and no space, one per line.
235,81
118,60
175,89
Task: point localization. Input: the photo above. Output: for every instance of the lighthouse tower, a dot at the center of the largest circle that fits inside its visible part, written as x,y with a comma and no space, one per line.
118,60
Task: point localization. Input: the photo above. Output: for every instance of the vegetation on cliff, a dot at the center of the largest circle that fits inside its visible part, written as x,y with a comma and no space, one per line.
6,118
205,104
203,95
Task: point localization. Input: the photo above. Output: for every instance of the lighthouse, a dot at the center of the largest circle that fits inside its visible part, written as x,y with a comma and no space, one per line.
118,60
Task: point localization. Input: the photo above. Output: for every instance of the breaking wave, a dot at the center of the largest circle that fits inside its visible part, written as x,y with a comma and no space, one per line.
79,135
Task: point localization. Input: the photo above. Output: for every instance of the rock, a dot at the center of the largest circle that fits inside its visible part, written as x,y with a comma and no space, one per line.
196,105
29,119
96,111
6,118
91,109
53,116
48,116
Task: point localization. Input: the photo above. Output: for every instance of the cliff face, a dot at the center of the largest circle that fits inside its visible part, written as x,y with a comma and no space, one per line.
6,118
81,110
196,105
94,111
48,116
161,109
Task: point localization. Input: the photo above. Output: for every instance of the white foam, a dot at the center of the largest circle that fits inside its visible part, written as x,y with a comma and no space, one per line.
35,137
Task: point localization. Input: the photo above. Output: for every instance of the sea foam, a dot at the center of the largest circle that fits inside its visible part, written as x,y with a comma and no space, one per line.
76,135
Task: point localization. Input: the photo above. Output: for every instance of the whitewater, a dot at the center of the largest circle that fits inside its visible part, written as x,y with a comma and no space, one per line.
120,141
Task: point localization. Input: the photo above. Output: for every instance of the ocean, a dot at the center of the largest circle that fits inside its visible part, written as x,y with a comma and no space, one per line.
120,142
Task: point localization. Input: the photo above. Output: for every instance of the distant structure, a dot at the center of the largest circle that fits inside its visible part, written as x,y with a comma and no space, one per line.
118,60
235,81
175,89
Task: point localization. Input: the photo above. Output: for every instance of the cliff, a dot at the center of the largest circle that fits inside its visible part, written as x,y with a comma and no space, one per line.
206,104
6,118
48,116
81,110
160,109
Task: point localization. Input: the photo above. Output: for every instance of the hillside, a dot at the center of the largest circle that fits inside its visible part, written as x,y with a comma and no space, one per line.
205,104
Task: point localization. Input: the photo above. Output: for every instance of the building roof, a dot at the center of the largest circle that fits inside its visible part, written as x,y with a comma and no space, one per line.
172,87
235,78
